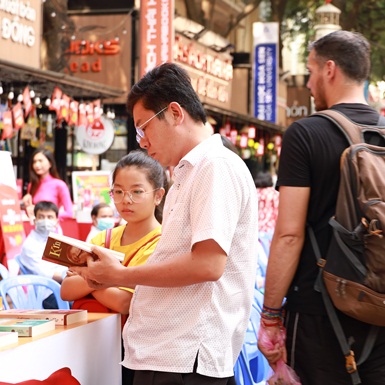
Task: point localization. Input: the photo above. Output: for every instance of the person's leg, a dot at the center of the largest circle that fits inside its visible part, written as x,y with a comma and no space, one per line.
313,350
50,302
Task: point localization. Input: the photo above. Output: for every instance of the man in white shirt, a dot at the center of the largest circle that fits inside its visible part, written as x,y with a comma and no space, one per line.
193,297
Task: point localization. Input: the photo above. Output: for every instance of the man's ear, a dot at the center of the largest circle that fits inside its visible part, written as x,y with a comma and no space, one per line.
176,113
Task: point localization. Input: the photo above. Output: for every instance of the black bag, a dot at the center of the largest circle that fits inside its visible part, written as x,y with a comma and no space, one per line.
352,275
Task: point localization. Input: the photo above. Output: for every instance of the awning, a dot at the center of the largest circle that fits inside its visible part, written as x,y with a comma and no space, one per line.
244,119
43,82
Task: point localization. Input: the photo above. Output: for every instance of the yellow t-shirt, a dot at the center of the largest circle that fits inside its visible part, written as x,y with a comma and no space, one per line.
136,253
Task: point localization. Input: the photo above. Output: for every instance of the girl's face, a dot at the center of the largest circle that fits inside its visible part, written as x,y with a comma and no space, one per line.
134,179
41,165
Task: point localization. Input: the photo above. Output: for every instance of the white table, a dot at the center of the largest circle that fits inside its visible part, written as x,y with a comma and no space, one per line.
92,350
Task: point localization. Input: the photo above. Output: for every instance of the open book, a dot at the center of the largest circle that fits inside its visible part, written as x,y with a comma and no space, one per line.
69,251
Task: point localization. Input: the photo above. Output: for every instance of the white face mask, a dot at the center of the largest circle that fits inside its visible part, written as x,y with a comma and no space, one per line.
44,226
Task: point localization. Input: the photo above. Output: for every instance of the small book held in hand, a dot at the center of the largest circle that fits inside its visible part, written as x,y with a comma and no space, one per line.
68,251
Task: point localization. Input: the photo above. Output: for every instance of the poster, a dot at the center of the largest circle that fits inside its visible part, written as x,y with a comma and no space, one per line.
90,188
12,230
265,72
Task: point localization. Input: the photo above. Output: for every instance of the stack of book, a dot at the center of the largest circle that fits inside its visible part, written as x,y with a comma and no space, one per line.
32,323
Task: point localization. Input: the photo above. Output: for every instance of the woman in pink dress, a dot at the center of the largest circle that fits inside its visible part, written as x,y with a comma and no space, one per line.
46,185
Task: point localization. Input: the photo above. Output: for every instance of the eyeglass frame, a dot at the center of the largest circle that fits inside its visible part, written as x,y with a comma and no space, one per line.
139,132
128,192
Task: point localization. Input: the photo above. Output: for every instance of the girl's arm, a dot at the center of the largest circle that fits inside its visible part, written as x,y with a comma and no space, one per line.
114,298
74,287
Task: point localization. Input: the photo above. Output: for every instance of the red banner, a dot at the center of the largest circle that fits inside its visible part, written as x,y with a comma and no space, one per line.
156,33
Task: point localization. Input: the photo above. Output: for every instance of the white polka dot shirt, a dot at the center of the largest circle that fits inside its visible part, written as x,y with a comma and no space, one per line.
213,197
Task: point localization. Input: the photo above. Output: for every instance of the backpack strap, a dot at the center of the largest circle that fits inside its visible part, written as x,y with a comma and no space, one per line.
353,132
350,363
107,242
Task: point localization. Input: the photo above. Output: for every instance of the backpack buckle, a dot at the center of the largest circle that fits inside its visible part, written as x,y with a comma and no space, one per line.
321,263
350,364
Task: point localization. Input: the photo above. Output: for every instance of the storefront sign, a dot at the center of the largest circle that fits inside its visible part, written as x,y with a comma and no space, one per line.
211,72
102,53
95,137
20,31
265,70
156,33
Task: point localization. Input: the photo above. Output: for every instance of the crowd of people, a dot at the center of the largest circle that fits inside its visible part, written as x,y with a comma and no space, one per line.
196,250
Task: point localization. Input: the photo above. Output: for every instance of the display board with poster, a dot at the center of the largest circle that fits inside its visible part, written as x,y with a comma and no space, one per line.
12,230
89,189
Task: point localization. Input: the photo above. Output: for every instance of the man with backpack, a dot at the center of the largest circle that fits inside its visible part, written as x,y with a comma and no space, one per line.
308,181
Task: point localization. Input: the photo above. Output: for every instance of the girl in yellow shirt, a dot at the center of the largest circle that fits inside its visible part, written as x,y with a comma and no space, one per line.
139,185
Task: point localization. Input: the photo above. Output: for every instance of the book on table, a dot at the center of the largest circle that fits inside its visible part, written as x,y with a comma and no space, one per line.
26,327
8,339
61,317
69,251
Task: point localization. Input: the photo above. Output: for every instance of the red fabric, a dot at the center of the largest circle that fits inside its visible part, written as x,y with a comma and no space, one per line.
91,304
62,376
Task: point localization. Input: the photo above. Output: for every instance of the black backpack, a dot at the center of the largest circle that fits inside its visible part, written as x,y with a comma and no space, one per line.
352,274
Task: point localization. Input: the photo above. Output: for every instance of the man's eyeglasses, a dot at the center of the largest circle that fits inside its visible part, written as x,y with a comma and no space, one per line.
139,131
136,195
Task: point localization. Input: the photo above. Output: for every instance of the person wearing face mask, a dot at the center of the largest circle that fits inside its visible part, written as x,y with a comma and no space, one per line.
46,221
102,216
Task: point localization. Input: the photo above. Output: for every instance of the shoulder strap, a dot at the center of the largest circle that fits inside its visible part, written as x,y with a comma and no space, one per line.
352,131
351,365
107,242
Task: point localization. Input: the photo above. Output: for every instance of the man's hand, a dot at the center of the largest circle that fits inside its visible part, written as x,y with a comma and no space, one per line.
271,343
100,273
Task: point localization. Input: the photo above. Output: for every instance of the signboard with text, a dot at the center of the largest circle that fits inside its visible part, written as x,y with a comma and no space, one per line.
265,73
211,72
20,31
156,33
100,56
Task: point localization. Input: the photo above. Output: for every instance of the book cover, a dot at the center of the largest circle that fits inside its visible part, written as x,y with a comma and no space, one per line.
61,317
8,339
69,251
26,327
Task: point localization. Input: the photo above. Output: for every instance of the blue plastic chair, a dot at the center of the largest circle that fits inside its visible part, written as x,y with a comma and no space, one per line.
4,273
23,269
29,291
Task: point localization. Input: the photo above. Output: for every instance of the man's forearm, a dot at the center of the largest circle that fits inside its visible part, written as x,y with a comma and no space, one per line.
283,262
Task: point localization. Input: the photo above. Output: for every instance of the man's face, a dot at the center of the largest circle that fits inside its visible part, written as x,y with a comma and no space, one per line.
46,214
316,82
159,134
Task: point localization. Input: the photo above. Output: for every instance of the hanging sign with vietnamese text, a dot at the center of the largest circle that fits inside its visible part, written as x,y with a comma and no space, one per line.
156,33
265,76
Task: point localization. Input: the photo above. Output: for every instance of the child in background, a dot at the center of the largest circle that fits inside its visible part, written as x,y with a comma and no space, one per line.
138,188
102,216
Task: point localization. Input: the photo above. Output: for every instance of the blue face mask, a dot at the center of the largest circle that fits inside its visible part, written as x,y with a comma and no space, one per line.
105,223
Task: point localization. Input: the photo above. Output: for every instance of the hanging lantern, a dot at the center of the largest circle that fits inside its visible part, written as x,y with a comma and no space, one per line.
252,132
